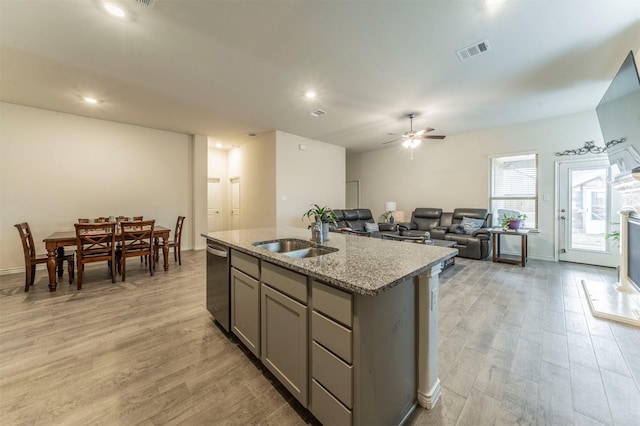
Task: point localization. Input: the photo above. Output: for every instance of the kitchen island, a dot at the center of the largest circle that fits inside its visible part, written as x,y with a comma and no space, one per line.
352,333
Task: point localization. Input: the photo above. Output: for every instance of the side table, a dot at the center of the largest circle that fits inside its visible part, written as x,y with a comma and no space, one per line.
524,246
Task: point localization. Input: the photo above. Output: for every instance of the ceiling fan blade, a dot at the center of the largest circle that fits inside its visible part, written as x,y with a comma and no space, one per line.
433,137
395,140
423,131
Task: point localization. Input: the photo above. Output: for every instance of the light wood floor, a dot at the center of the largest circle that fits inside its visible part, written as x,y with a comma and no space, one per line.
517,346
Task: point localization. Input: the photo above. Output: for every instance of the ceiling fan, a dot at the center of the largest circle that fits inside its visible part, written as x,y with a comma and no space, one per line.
413,137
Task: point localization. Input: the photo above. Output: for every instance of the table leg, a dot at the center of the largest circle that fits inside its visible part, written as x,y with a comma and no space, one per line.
60,257
165,252
495,247
524,250
51,267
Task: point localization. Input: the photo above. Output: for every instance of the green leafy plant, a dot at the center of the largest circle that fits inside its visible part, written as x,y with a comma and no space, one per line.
324,214
508,219
614,235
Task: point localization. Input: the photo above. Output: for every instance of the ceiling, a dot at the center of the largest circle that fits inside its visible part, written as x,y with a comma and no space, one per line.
224,69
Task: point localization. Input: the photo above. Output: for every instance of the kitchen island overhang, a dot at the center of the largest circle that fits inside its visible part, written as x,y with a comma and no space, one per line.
395,300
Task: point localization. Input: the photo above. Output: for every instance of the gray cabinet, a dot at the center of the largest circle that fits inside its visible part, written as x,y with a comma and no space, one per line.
245,300
245,310
284,325
332,392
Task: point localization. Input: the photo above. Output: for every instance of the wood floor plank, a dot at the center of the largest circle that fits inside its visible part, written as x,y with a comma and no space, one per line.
517,345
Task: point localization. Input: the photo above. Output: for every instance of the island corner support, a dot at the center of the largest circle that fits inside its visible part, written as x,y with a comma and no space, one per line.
427,312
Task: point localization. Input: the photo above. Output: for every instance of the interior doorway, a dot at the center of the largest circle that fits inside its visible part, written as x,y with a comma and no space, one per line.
214,204
585,203
234,184
353,195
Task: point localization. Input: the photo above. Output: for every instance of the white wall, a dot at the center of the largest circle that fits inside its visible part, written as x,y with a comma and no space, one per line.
199,160
255,163
455,172
315,175
55,168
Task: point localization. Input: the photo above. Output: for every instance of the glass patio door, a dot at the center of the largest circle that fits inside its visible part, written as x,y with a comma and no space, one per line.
584,215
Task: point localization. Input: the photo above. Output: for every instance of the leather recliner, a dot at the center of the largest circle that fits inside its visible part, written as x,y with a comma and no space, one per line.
474,246
422,220
355,219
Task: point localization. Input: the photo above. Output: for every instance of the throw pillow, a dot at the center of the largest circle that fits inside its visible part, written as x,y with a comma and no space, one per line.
371,227
471,225
456,228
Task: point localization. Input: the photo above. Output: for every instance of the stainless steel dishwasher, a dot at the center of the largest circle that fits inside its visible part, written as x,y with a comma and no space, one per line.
218,298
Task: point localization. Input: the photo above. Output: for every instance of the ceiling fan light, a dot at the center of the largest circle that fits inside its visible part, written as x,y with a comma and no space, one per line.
407,143
415,142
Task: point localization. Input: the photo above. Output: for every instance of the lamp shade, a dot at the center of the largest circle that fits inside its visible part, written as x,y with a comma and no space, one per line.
390,206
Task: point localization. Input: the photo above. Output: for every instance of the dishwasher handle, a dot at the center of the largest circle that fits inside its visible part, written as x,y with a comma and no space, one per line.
217,251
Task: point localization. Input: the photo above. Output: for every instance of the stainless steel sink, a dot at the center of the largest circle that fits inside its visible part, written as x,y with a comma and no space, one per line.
295,248
284,245
310,252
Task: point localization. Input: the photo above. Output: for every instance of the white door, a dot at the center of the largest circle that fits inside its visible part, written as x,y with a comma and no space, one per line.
235,203
585,203
214,203
353,195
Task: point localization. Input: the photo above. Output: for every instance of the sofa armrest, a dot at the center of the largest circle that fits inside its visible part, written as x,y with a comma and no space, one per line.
392,227
359,233
482,233
438,233
407,226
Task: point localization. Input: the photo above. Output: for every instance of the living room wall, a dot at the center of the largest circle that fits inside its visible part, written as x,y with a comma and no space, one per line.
55,168
454,172
313,173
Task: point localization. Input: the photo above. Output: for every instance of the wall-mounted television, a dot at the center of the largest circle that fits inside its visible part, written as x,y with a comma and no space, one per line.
619,116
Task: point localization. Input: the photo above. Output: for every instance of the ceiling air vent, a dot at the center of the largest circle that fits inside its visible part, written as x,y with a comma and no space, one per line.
473,50
146,3
318,113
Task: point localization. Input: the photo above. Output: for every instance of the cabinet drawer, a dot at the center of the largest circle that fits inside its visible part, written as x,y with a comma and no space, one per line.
326,408
245,310
291,283
332,302
333,374
248,264
332,336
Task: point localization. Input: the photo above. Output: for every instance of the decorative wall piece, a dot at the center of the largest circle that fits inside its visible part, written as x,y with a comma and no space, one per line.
590,147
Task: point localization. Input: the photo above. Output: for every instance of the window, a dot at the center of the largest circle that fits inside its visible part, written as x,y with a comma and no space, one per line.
514,188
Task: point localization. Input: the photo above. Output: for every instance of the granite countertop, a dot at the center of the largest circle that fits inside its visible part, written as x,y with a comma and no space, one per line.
363,265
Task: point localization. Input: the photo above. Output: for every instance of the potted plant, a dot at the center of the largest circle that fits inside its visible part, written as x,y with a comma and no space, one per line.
324,215
513,222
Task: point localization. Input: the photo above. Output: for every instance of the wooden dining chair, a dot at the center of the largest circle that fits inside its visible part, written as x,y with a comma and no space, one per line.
31,259
176,243
136,239
96,220
96,242
129,218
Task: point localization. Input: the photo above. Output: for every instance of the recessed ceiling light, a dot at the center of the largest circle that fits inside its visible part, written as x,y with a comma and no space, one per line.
492,2
115,10
89,100
310,94
218,145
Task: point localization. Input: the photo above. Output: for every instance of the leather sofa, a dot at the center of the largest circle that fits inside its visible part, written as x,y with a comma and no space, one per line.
354,220
422,220
476,245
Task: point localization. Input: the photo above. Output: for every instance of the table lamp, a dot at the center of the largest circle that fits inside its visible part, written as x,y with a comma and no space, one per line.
390,206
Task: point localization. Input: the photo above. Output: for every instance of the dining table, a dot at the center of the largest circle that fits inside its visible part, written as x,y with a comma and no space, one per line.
58,240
